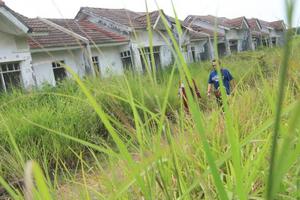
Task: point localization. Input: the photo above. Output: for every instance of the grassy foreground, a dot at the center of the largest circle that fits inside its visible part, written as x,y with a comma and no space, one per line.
144,145
129,138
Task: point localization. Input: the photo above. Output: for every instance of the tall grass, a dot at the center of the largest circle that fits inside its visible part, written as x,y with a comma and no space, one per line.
123,138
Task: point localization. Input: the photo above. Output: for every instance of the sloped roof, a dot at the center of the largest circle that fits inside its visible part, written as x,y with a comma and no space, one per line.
265,24
46,36
254,24
221,21
195,35
15,14
95,33
278,25
236,22
153,18
206,31
121,16
125,17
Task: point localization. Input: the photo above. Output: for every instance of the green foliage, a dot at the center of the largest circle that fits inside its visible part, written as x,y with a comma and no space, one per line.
127,137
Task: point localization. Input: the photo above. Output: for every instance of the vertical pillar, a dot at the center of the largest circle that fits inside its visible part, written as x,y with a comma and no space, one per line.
211,53
227,46
136,58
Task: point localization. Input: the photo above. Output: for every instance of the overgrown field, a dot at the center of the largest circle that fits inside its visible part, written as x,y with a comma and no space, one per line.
135,140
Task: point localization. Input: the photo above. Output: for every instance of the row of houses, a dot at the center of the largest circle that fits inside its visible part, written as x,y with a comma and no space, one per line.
33,51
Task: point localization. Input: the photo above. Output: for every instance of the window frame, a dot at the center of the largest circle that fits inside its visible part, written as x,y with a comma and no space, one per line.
147,54
96,63
126,55
56,65
8,71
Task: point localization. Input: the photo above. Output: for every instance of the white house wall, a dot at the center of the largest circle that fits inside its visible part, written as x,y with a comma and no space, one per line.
15,49
42,64
110,59
199,48
141,39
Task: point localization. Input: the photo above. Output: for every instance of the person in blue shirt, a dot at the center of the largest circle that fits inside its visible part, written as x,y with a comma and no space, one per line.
214,82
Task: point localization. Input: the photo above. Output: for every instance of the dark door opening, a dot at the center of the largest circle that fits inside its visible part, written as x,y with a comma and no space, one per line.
222,49
59,71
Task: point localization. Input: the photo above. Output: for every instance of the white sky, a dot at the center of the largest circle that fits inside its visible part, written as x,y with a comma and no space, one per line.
264,9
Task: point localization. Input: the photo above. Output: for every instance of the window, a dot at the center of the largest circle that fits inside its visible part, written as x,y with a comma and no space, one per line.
96,64
147,57
274,41
10,75
184,48
59,71
126,60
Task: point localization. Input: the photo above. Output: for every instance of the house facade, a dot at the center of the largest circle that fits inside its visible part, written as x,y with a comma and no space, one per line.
201,46
102,42
134,26
15,57
206,25
267,34
233,35
239,34
277,34
86,48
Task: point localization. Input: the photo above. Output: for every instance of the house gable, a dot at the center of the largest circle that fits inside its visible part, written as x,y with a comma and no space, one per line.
85,13
10,22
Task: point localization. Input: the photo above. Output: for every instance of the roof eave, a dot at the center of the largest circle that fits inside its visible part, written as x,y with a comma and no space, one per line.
6,11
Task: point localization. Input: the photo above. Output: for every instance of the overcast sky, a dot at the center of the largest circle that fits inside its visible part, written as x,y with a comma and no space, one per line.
264,9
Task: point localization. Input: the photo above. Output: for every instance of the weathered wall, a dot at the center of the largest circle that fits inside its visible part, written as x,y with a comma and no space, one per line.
42,64
141,39
15,49
110,59
199,49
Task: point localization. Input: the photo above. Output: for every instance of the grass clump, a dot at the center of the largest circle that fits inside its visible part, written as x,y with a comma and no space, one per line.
128,137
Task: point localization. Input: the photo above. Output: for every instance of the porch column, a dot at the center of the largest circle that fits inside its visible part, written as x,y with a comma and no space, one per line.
136,58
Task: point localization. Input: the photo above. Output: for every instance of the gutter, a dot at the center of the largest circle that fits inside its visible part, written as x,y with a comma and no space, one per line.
39,50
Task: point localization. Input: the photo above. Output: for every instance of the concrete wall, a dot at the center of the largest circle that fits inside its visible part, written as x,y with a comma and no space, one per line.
42,64
110,59
200,49
15,49
141,39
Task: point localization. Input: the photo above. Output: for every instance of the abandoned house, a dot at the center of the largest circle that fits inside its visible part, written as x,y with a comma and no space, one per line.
81,45
201,47
34,51
134,26
267,33
278,32
258,36
15,57
234,35
206,25
239,34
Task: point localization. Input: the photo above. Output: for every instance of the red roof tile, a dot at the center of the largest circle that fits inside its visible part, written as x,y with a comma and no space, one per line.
142,20
206,31
46,36
235,23
121,16
195,35
278,25
95,33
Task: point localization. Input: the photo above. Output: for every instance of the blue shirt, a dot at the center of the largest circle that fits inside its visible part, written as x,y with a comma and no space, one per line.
214,79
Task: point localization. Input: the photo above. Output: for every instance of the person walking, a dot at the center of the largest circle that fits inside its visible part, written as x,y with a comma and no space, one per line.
214,82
